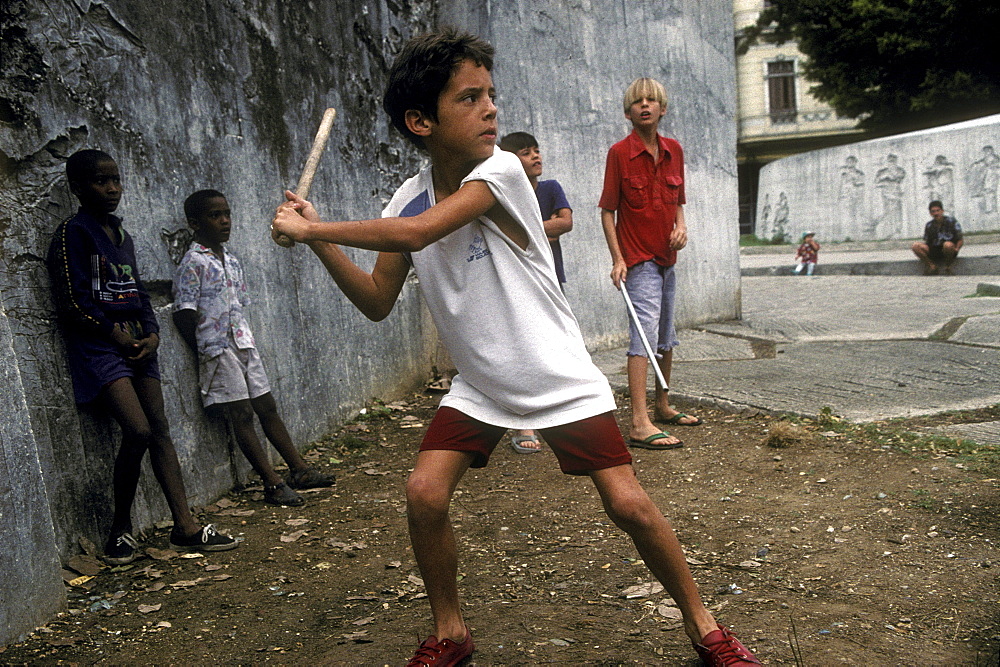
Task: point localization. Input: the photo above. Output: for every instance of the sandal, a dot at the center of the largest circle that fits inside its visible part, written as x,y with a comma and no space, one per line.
310,478
647,443
516,440
676,420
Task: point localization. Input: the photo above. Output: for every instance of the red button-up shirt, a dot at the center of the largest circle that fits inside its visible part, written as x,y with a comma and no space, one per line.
645,196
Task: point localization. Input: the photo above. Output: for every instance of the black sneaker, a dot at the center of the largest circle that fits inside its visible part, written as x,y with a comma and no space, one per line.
310,478
206,539
281,494
120,549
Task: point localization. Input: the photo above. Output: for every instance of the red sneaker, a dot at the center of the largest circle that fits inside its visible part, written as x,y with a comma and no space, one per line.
721,648
444,653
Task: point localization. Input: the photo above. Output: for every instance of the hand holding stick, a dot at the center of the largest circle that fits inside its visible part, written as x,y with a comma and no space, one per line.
309,171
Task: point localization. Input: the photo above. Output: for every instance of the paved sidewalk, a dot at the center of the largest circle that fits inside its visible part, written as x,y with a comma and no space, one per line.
868,347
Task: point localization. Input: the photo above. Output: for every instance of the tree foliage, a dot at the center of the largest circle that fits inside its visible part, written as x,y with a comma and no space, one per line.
893,64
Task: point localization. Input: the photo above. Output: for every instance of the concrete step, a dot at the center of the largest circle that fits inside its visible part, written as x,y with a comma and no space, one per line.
888,259
842,266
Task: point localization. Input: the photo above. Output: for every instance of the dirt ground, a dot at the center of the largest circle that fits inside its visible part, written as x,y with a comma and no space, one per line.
830,550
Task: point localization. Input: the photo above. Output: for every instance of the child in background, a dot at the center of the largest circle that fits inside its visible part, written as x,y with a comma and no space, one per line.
468,226
557,219
111,341
209,296
807,253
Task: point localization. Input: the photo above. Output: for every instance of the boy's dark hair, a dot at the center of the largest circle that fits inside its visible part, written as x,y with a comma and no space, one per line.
935,203
422,69
81,164
195,203
517,141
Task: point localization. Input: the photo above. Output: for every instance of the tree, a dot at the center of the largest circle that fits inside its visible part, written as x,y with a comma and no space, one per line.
894,64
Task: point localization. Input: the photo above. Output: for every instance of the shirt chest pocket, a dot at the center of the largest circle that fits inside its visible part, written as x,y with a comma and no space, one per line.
636,191
672,189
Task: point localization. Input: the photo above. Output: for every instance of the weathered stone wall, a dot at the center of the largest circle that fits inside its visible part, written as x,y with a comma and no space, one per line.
227,95
31,589
879,189
186,96
561,71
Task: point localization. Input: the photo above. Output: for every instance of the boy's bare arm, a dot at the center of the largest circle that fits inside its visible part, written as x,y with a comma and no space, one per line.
679,235
618,268
560,223
298,220
186,322
374,294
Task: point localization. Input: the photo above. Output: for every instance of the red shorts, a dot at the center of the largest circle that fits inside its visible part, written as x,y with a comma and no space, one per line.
590,444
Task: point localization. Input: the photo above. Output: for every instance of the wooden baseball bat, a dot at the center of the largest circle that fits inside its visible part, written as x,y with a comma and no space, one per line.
312,162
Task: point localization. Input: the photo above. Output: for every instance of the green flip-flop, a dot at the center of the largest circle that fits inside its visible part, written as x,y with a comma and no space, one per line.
647,443
676,420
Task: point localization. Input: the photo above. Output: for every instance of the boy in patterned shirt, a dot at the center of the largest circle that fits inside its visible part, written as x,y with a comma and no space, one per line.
209,297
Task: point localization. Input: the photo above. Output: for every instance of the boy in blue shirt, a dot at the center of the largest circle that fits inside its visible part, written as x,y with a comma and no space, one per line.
557,218
209,296
469,226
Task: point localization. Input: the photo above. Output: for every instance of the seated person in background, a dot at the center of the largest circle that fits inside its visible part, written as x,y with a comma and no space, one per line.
807,254
942,241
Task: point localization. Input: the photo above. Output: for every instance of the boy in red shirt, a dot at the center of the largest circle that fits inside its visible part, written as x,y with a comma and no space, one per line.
644,185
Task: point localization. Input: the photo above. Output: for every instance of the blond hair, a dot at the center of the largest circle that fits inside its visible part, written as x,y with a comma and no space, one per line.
644,87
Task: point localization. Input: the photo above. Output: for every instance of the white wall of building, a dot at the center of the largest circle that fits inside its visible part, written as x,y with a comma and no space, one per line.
879,189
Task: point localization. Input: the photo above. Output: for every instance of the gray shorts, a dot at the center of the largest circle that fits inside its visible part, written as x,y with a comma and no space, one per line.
234,375
651,288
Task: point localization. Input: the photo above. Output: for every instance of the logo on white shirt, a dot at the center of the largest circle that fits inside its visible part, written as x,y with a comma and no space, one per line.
478,249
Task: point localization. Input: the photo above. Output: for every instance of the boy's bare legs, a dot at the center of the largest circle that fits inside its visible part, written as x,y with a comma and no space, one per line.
642,425
428,498
661,405
137,405
632,510
276,432
240,415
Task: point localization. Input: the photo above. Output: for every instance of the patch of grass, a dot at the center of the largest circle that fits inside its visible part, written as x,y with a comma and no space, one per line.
923,499
748,240
784,434
898,434
351,443
377,411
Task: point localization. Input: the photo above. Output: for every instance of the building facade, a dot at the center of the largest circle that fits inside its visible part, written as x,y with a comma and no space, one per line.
777,116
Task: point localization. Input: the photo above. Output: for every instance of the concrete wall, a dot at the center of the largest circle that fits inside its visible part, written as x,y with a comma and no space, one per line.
879,189
228,95
31,589
561,71
187,96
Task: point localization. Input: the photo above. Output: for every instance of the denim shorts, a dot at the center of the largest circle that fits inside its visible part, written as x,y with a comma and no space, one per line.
651,288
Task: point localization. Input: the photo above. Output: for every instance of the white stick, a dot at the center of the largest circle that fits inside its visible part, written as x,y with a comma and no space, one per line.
645,341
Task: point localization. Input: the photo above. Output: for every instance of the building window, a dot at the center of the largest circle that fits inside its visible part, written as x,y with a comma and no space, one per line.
781,91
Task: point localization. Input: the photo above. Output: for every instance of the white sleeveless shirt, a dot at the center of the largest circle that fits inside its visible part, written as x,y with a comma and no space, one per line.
521,359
